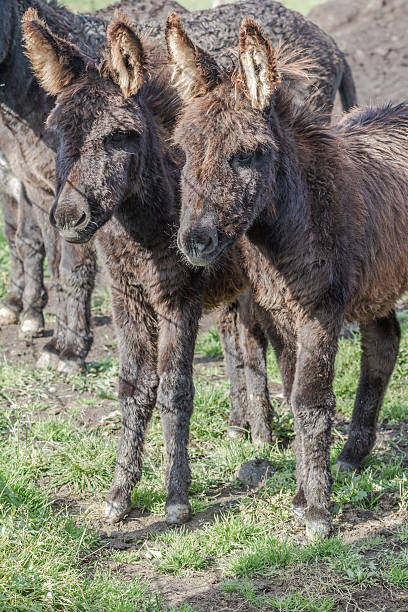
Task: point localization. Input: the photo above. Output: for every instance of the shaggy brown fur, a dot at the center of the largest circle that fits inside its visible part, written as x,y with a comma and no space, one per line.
324,242
117,177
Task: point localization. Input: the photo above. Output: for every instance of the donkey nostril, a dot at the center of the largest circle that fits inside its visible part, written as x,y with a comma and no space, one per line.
81,220
204,243
52,219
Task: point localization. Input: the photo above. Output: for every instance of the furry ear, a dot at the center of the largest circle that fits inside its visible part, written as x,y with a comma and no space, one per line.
55,61
126,55
195,71
258,67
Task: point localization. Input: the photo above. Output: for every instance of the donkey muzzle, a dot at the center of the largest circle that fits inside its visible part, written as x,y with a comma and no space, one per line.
199,245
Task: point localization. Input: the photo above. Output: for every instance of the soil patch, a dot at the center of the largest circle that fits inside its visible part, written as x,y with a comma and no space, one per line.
373,35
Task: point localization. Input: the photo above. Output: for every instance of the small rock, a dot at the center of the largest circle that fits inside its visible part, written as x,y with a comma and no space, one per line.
252,473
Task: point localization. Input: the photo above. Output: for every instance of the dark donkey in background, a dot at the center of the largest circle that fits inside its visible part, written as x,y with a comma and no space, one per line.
325,213
27,186
117,176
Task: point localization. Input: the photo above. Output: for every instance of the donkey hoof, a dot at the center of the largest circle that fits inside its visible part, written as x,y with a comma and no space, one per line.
71,366
178,514
235,433
318,523
8,316
345,466
115,512
47,359
31,328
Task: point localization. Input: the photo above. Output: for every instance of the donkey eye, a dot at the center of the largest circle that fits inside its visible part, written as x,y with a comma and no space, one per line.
123,140
244,158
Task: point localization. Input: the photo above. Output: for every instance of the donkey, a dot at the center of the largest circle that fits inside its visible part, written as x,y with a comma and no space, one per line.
116,176
323,242
23,109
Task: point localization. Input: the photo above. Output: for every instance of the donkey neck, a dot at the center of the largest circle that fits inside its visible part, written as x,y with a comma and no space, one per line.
150,213
303,194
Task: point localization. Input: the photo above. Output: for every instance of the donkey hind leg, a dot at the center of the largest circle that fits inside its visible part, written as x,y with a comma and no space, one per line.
77,278
12,303
285,351
380,342
30,246
313,406
253,346
227,325
138,381
178,331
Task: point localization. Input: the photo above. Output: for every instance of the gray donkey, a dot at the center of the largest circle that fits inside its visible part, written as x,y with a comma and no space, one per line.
117,179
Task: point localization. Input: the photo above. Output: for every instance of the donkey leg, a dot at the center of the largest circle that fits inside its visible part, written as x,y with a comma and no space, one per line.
77,278
50,352
12,304
138,381
313,405
254,345
380,343
30,247
178,331
284,344
227,325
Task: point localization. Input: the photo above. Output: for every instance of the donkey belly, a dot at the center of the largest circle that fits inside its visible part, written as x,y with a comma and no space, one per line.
380,293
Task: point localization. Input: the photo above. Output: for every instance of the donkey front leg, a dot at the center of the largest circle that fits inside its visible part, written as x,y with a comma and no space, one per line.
77,278
380,343
313,405
138,383
12,304
227,325
178,331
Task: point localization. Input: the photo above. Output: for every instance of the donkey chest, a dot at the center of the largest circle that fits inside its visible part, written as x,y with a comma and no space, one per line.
137,272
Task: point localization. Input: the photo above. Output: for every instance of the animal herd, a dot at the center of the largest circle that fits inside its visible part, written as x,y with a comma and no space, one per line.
205,175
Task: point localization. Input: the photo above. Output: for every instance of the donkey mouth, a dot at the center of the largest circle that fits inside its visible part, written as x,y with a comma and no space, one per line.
76,237
202,260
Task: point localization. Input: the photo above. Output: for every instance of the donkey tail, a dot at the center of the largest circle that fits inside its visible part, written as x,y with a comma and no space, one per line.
347,88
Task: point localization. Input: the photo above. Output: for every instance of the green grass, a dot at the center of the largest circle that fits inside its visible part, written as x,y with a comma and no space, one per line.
44,554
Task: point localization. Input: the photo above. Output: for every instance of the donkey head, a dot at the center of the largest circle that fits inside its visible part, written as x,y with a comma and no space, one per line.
100,127
226,136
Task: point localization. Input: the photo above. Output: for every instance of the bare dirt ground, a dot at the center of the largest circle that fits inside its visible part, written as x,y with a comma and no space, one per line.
373,35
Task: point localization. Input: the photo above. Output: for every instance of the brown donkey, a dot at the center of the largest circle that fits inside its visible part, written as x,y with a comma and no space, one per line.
325,213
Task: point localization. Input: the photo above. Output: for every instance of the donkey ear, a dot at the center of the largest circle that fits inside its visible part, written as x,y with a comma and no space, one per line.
126,56
258,67
195,71
55,61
